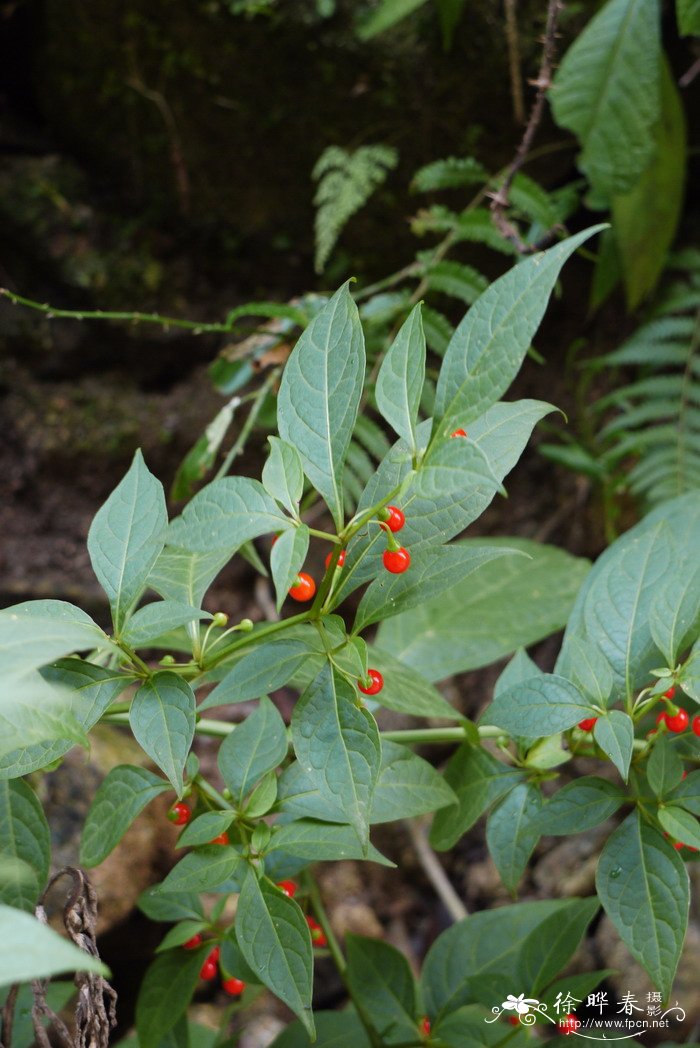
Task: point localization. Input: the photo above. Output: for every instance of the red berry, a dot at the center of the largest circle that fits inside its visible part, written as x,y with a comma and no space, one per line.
274,539
459,433
587,724
424,1026
514,1020
670,693
289,888
678,845
341,559
696,725
304,588
192,943
234,987
679,722
208,970
376,683
317,936
569,1024
221,839
396,519
180,814
396,560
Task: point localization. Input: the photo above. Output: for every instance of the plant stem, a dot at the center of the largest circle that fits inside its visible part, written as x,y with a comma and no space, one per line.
209,791
247,426
252,638
320,911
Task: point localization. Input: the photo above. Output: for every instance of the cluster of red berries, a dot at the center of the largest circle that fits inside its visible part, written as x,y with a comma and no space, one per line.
676,718
290,889
232,986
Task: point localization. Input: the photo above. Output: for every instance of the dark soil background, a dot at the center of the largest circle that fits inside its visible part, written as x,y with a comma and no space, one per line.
157,158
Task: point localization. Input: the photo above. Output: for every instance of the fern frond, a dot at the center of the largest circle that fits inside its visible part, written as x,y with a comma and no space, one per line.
451,173
453,278
438,330
346,181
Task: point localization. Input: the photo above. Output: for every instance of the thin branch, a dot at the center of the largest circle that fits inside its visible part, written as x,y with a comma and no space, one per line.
7,1016
513,42
501,198
688,77
434,871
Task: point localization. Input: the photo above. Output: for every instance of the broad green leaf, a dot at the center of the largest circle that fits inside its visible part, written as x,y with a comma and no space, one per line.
171,907
400,379
287,559
387,14
614,733
257,746
182,576
88,690
478,780
607,92
612,610
680,824
121,796
488,346
31,950
645,218
24,835
165,993
512,831
519,669
265,669
126,536
590,671
338,747
471,626
262,797
333,1030
380,977
205,828
432,572
664,767
31,713
466,1027
688,15
36,632
454,469
180,934
322,842
224,515
687,793
674,615
689,677
407,786
538,707
147,624
643,886
487,942
406,690
275,941
320,393
579,806
549,948
210,868
162,718
283,475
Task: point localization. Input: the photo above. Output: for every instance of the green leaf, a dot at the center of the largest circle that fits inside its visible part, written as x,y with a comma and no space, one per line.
400,379
201,457
38,631
185,577
519,669
432,572
88,692
607,92
614,733
687,793
162,718
579,806
320,394
590,671
488,347
478,780
338,747
664,767
453,469
165,993
275,941
451,173
471,626
24,835
688,15
645,218
147,624
32,712
283,475
265,669
407,786
31,950
205,828
224,515
512,831
386,15
689,677
643,886
680,824
674,615
407,691
210,868
538,707
121,796
549,948
172,907
333,1030
180,934
287,559
126,537
380,977
257,746
322,842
